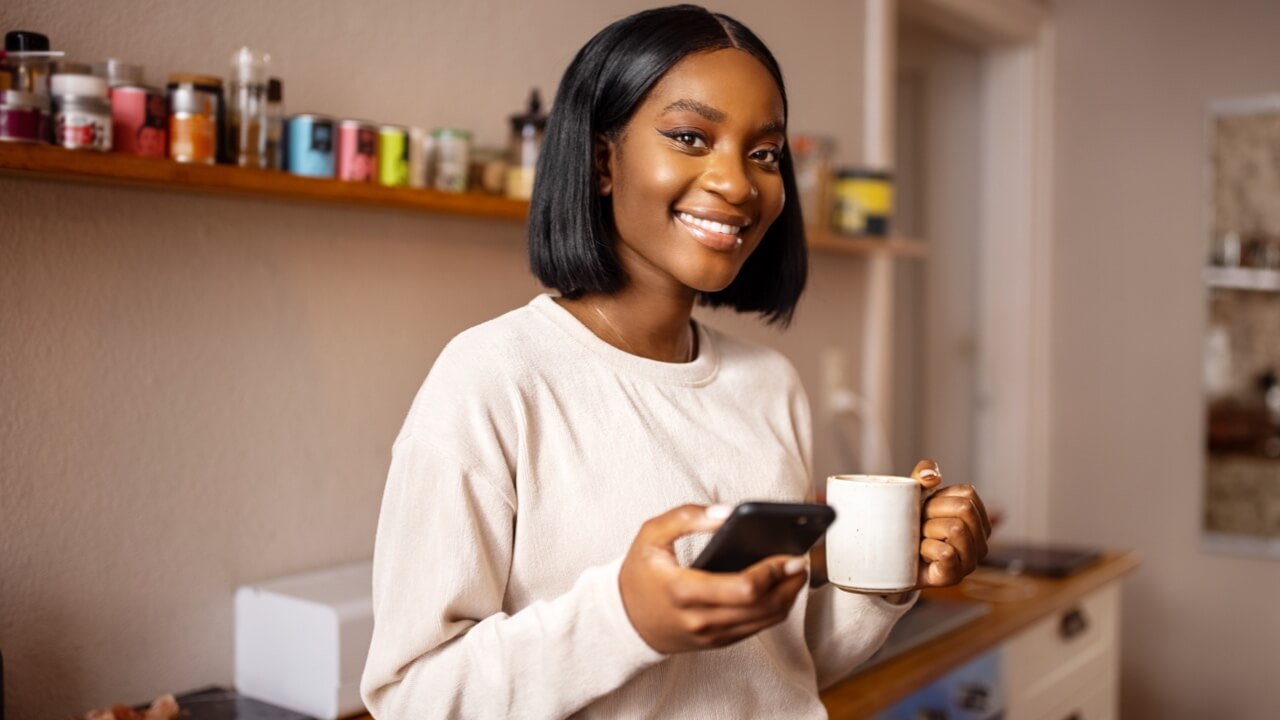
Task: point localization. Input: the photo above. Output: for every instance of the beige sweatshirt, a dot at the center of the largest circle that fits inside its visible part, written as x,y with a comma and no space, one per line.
528,461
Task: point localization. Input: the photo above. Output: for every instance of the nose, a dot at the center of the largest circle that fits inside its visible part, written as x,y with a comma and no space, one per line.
727,175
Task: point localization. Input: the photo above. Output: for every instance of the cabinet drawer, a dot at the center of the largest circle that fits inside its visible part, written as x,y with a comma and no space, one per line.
1072,651
1100,703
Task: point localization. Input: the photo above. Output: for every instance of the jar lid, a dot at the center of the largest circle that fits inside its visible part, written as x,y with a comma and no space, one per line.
118,72
532,115
25,41
195,79
249,66
451,132
18,99
863,173
76,84
68,67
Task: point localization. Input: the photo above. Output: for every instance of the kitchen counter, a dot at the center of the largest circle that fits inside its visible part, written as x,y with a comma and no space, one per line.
866,693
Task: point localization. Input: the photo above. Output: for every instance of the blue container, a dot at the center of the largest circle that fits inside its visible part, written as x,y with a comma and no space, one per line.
309,143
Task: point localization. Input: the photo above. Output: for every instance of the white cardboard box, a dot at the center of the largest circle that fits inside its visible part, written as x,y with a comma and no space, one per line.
301,641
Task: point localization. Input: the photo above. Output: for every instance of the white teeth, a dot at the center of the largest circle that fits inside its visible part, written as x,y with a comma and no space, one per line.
710,224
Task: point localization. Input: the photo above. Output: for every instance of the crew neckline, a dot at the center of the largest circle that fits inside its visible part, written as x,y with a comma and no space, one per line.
699,371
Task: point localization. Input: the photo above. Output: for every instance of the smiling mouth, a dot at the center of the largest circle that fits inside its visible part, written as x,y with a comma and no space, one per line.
710,225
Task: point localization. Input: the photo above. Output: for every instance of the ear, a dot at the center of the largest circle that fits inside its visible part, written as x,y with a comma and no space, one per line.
601,154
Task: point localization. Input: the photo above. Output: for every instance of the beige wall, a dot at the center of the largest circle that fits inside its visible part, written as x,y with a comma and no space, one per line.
198,392
1202,638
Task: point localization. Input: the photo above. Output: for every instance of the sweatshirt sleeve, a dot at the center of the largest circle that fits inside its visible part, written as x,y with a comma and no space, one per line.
442,645
843,629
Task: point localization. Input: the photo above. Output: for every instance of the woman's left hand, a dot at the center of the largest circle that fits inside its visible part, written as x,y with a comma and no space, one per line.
954,529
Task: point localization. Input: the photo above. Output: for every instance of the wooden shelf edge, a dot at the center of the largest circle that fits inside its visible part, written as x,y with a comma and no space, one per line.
55,163
896,246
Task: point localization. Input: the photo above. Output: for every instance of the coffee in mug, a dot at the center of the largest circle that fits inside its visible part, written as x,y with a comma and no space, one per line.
874,544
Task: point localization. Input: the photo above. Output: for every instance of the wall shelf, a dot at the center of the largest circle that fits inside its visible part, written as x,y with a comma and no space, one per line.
55,163
47,162
1242,278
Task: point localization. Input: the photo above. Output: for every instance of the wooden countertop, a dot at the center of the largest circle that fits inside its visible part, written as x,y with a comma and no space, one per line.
867,693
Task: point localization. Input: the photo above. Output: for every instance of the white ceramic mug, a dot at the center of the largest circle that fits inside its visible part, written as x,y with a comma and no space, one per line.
874,544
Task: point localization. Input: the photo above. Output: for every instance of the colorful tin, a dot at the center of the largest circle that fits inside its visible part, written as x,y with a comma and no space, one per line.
452,150
357,151
420,158
393,156
81,112
24,117
139,121
309,141
863,202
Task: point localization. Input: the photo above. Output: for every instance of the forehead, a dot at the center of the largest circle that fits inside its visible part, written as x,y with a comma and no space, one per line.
729,80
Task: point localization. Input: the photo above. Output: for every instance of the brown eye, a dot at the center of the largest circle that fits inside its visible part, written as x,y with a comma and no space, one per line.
684,137
768,156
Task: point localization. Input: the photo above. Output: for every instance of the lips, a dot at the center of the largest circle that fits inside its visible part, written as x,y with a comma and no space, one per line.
718,233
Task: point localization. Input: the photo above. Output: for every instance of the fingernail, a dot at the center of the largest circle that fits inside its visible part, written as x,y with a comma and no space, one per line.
928,473
719,512
795,565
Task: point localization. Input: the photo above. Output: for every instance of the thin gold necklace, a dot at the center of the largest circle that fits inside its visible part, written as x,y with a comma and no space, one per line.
614,331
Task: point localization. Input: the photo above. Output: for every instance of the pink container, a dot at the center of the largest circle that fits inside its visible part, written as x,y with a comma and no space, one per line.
357,151
24,117
139,121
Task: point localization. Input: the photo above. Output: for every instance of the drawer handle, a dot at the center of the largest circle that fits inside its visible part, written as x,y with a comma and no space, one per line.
1073,624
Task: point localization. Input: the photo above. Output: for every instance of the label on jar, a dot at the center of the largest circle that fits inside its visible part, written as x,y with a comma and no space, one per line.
80,130
193,138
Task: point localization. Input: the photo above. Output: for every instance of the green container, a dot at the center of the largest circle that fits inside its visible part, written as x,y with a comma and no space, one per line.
393,156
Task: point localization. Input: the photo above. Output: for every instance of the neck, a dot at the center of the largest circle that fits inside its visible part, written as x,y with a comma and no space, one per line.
651,325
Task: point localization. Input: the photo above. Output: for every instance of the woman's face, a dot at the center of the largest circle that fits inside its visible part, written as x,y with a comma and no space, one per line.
694,177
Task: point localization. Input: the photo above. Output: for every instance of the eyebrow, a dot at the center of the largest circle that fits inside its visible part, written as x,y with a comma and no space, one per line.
716,115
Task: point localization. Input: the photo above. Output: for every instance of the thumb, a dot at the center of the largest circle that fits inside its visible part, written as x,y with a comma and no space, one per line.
663,530
927,474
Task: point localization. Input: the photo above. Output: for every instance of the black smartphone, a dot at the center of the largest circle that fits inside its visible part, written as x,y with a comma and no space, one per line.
757,530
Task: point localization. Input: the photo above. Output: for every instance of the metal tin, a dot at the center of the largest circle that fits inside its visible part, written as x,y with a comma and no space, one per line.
393,156
309,141
197,118
139,121
81,112
452,159
24,117
863,202
357,151
194,127
420,158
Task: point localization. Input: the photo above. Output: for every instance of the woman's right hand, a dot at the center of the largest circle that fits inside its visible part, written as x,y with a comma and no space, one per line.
678,609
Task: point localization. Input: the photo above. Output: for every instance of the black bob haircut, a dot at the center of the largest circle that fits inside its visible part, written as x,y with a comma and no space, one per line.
571,228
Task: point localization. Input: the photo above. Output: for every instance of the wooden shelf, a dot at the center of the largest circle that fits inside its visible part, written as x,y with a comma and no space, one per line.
1242,278
57,164
905,248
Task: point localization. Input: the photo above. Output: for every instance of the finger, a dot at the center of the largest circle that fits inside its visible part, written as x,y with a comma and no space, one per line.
970,492
955,533
927,474
940,564
731,624
943,505
695,588
663,530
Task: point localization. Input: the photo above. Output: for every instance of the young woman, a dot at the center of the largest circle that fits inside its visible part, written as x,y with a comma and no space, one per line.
531,553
